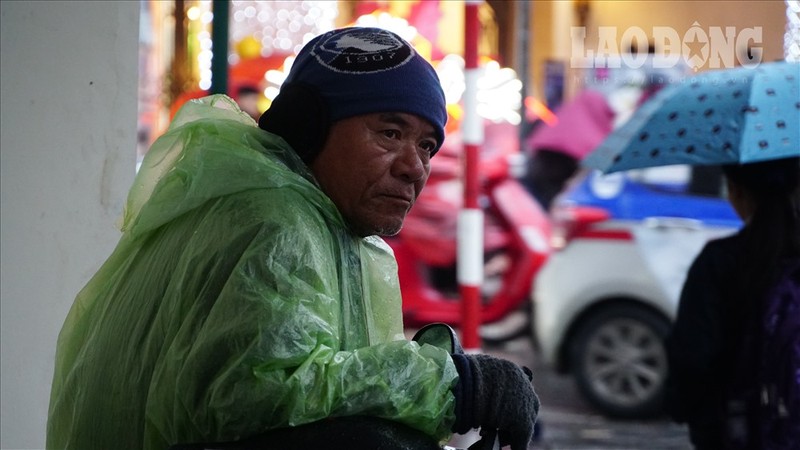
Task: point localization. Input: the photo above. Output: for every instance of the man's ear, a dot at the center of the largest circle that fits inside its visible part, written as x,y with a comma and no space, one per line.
299,115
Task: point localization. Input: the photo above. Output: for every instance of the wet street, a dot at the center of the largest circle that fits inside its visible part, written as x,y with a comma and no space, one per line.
567,422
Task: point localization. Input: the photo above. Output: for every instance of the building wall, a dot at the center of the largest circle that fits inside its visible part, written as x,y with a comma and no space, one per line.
551,22
69,77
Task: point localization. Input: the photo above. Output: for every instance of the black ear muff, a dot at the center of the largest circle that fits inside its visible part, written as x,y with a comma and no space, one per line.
299,115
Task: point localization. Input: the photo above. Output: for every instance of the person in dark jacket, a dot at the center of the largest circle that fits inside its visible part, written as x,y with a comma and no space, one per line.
722,301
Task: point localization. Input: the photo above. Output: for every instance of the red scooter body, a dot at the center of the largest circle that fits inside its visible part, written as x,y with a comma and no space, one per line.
516,236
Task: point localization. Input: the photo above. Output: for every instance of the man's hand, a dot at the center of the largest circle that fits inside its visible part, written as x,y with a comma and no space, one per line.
495,394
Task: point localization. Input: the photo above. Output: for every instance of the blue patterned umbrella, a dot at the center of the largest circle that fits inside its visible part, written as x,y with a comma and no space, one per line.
740,115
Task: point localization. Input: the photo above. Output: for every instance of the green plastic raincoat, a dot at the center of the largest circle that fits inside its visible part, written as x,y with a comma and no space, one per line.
235,302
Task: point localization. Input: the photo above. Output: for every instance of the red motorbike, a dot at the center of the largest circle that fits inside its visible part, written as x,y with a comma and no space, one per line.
516,241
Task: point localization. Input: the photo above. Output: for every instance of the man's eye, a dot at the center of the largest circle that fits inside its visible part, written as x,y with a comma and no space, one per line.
428,146
391,134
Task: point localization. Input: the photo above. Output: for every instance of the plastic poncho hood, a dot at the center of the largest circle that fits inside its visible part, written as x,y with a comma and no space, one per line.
236,302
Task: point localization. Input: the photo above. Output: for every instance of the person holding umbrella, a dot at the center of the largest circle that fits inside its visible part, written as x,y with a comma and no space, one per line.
555,151
734,349
714,349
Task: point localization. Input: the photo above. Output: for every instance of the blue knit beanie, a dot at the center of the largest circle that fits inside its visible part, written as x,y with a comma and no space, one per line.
362,70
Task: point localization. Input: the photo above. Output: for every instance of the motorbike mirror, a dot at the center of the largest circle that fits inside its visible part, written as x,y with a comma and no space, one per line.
439,335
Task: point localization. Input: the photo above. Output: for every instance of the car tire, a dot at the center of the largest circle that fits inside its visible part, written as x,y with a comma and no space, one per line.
619,362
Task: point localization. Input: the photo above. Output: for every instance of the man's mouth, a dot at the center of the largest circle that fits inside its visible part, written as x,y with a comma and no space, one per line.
407,198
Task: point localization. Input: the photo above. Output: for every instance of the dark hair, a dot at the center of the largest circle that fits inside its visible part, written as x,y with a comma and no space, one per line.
773,231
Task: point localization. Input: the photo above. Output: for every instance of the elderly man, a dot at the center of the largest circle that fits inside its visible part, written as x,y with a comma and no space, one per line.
249,298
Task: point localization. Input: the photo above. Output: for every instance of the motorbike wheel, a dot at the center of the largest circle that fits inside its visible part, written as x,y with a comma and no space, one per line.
515,324
619,361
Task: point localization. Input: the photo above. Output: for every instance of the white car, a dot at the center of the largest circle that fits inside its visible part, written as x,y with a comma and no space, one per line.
604,300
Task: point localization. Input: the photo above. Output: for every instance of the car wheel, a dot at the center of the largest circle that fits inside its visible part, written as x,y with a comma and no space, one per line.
619,361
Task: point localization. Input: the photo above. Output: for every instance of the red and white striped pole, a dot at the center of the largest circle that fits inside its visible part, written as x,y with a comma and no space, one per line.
470,218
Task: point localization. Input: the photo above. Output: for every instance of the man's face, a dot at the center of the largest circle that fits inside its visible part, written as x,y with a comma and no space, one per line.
373,167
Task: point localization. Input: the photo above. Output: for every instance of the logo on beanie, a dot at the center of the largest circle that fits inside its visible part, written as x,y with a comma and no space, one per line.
362,51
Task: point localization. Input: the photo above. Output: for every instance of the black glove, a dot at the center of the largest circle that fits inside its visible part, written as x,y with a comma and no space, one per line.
497,396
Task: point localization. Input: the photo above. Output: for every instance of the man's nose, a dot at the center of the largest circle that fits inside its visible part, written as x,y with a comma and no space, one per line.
409,164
